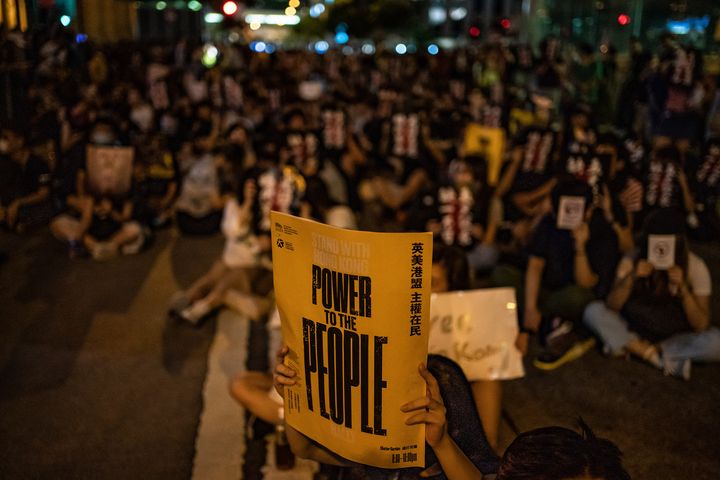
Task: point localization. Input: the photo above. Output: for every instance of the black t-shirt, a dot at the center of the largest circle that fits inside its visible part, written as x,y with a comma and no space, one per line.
457,210
557,248
704,174
537,166
662,187
17,181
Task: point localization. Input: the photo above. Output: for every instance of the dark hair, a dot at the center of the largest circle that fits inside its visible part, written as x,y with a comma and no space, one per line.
557,453
454,260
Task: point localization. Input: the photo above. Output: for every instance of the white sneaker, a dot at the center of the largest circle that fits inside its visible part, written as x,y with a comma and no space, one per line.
195,312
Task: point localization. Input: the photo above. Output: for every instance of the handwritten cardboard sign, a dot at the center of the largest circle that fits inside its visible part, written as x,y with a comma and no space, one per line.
477,329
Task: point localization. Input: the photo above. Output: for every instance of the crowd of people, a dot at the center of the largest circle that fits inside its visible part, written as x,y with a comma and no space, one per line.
550,170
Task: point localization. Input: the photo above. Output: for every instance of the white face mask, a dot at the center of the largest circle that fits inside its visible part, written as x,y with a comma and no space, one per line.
102,138
4,146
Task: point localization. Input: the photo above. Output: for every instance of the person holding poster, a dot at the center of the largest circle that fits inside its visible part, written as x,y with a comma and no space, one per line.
561,274
349,302
659,307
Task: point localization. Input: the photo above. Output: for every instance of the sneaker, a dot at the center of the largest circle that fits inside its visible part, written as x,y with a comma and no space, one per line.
679,368
563,346
195,312
179,302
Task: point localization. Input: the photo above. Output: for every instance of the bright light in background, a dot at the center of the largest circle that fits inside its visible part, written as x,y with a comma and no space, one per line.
65,20
160,5
258,47
505,23
213,17
254,26
234,37
623,19
81,37
194,5
271,19
401,49
458,13
230,8
341,37
270,48
368,49
347,50
317,10
679,27
210,54
321,46
290,11
433,49
294,3
437,15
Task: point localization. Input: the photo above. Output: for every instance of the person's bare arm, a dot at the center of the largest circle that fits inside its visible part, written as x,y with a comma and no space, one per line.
584,275
625,281
533,276
416,181
509,175
688,200
430,411
697,308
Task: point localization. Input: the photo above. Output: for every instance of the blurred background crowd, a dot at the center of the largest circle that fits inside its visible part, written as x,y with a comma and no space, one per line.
110,142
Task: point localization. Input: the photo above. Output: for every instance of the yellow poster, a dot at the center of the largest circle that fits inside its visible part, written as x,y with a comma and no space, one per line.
354,308
488,142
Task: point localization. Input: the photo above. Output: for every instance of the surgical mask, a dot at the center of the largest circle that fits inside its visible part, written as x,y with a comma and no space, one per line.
4,146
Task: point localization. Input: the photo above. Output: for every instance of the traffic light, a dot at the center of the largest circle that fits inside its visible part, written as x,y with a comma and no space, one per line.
623,19
474,31
230,8
505,23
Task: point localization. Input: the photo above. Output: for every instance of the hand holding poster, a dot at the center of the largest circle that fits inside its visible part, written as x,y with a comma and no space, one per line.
477,329
109,169
354,308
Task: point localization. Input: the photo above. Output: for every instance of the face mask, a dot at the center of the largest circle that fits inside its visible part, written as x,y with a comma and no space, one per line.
4,146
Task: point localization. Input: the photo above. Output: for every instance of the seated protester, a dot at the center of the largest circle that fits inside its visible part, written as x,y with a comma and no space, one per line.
528,178
403,176
460,217
242,269
74,204
550,453
111,229
704,179
458,447
157,177
579,142
343,174
24,184
661,316
559,280
199,206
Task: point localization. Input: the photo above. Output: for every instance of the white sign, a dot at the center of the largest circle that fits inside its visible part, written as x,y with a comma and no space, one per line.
477,329
571,212
110,169
661,251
